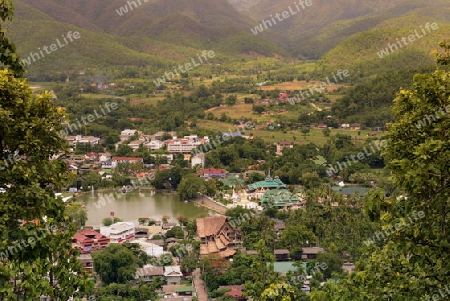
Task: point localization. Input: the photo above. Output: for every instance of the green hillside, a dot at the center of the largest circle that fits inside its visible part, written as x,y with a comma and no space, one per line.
176,38
379,79
360,53
323,25
194,23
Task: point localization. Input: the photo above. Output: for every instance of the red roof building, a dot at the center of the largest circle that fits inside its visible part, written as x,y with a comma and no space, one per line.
212,173
88,240
237,294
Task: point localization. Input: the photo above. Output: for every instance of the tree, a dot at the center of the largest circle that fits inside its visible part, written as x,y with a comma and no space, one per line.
254,177
295,237
223,117
225,298
141,256
168,179
231,100
189,262
9,58
139,292
310,180
258,109
190,186
183,220
407,263
107,221
124,150
333,263
37,257
279,292
305,131
263,271
326,132
176,232
77,214
115,264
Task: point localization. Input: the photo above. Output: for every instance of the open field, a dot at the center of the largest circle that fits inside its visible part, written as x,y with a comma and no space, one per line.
41,87
298,85
96,96
151,100
315,135
243,110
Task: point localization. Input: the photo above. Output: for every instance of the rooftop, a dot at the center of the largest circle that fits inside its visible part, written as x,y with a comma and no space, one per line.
87,235
210,225
279,197
312,250
267,183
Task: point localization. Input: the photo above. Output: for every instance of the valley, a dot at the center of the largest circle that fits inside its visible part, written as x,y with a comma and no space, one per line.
192,150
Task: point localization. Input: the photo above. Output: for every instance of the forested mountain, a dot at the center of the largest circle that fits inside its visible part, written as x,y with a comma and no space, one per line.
155,35
243,5
158,33
322,26
194,23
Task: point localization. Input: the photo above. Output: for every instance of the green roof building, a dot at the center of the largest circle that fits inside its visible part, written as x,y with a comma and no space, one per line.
258,189
280,198
268,183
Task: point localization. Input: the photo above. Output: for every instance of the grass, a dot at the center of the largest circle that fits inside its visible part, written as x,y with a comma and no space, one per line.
95,96
298,85
151,100
41,87
243,110
315,135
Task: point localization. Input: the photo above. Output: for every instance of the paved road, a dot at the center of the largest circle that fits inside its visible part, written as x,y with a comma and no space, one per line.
199,286
208,203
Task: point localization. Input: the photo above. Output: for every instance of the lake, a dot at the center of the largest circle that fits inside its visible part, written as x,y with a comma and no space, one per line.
136,204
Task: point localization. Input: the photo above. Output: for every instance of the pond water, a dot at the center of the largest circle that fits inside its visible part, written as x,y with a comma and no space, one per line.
136,204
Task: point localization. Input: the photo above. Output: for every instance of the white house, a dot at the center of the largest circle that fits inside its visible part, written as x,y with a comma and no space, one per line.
186,144
155,144
74,140
150,248
168,156
135,144
127,134
119,232
105,157
173,274
148,272
198,160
